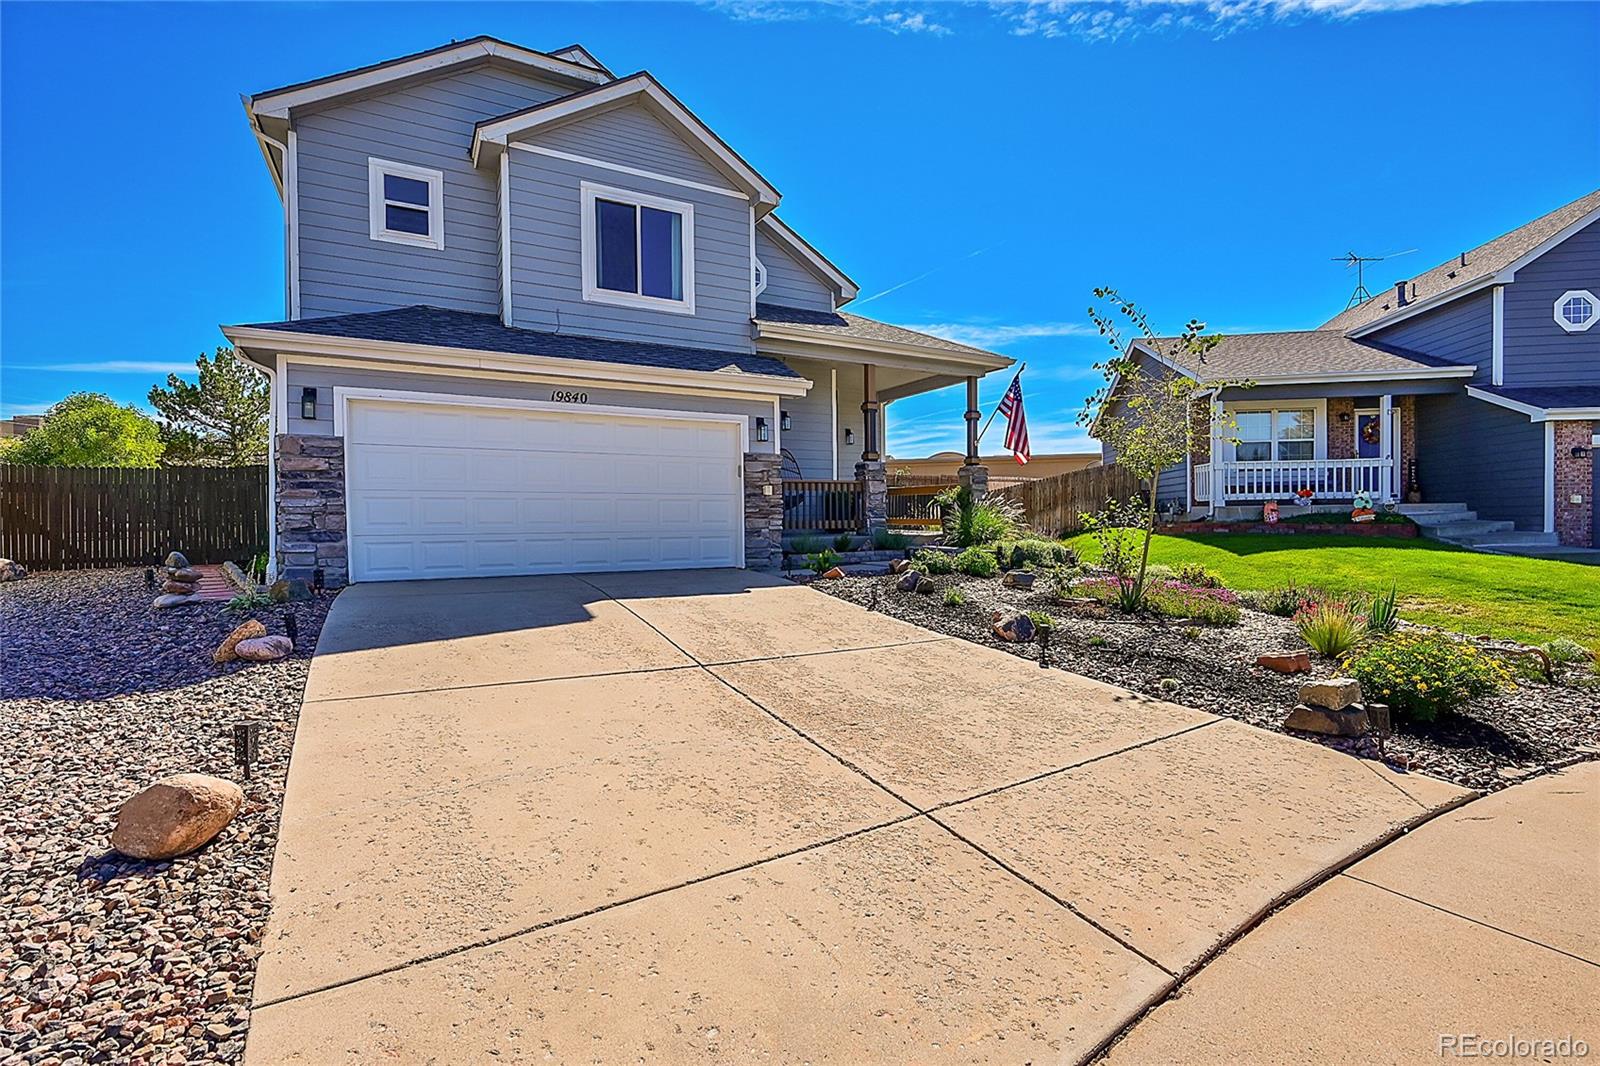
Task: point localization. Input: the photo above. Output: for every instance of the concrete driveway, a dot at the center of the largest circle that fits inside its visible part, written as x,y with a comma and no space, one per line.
716,816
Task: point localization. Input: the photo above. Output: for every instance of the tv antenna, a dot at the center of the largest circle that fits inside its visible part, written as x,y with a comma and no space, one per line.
1361,295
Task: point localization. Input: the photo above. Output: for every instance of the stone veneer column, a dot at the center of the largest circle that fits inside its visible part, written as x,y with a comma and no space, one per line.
763,511
311,515
974,476
1574,477
874,478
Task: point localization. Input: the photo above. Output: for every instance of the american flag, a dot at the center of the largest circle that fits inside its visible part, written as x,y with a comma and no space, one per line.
1016,421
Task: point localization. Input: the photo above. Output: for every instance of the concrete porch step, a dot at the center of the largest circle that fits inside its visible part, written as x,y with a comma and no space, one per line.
1512,538
1414,509
1430,519
1472,532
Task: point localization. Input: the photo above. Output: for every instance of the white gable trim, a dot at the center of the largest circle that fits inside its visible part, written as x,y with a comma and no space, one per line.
1535,414
795,245
1505,276
645,90
278,103
590,161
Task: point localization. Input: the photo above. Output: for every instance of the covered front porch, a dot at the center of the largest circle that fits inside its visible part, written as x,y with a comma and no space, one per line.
1274,445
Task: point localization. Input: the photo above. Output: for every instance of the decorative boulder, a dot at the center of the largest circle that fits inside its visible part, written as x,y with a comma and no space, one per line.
1346,722
1333,693
175,816
289,590
1286,662
172,599
1017,628
911,581
1019,579
177,588
899,566
177,561
834,573
11,570
226,651
263,649
187,574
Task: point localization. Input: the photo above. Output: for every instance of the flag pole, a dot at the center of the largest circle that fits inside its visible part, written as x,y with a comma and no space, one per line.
996,410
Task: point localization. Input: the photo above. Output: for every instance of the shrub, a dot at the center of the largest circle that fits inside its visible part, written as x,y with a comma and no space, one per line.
954,597
1192,633
1420,675
1097,641
806,545
248,601
888,540
1383,616
977,561
1168,598
1041,621
1284,602
843,542
1034,553
968,521
1168,685
1330,627
932,562
822,561
1562,650
1198,576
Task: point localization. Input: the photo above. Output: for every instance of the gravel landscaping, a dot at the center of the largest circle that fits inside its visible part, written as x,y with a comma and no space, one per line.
105,958
1494,742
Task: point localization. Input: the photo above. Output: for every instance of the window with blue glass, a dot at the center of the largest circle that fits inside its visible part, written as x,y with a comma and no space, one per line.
637,249
1577,310
407,203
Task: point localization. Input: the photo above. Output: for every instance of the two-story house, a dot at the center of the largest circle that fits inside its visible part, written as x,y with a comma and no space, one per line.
1476,382
541,318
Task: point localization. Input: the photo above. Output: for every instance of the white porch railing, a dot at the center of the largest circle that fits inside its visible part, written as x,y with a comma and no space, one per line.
1337,479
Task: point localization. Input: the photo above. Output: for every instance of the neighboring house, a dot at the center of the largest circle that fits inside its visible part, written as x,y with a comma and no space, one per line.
1476,382
1001,467
541,318
20,425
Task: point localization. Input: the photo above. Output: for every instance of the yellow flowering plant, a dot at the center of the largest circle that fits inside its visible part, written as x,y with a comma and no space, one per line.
1421,675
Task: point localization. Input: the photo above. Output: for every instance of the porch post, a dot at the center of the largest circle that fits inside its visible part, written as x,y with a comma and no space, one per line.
1386,448
972,416
870,471
1219,476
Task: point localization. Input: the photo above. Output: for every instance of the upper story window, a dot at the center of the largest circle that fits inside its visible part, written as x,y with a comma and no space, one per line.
638,250
405,203
1576,310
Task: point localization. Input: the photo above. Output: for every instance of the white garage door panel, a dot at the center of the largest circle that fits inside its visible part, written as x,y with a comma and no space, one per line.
439,491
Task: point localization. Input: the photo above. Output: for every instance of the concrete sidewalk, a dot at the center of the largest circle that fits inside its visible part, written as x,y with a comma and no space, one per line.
695,815
1483,924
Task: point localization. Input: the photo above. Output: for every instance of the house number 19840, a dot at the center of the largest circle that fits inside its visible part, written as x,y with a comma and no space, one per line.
562,396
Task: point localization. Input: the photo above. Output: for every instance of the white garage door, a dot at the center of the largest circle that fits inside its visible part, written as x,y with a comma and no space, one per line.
457,491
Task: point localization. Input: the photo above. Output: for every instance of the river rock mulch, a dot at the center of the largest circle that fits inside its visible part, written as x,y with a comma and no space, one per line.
1496,741
106,958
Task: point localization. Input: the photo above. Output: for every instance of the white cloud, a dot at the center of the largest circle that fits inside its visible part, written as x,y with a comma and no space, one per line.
997,335
118,366
905,22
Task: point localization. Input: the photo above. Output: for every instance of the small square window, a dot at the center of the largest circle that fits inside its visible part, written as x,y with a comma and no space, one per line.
638,250
406,203
1576,310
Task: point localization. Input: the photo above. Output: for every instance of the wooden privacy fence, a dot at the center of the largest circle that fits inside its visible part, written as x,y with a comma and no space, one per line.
75,518
1052,505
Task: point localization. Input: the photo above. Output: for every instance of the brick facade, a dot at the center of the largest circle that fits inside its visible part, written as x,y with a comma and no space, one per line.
1341,427
763,511
311,514
1574,480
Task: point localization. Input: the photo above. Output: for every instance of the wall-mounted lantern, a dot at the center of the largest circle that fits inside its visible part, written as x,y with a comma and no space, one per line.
785,423
763,433
1581,452
849,435
308,403
1344,416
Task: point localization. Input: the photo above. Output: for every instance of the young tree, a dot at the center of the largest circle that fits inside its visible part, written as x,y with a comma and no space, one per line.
90,429
219,420
1145,414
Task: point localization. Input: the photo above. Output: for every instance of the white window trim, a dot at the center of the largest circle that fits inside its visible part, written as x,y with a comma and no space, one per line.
376,169
592,292
761,275
1569,294
1319,419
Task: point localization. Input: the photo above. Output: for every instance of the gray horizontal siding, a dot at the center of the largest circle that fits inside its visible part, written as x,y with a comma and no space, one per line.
325,378
788,282
852,390
1538,352
546,260
427,124
1462,332
631,136
1485,456
1172,486
810,441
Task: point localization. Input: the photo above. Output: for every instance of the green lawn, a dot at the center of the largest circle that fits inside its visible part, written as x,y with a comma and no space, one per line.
1529,600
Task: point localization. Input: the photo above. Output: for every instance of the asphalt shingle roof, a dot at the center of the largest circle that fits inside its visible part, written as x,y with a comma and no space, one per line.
1481,262
445,328
842,324
1302,353
1556,396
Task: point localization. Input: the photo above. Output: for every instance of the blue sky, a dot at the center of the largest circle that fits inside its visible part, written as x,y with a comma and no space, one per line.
976,167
